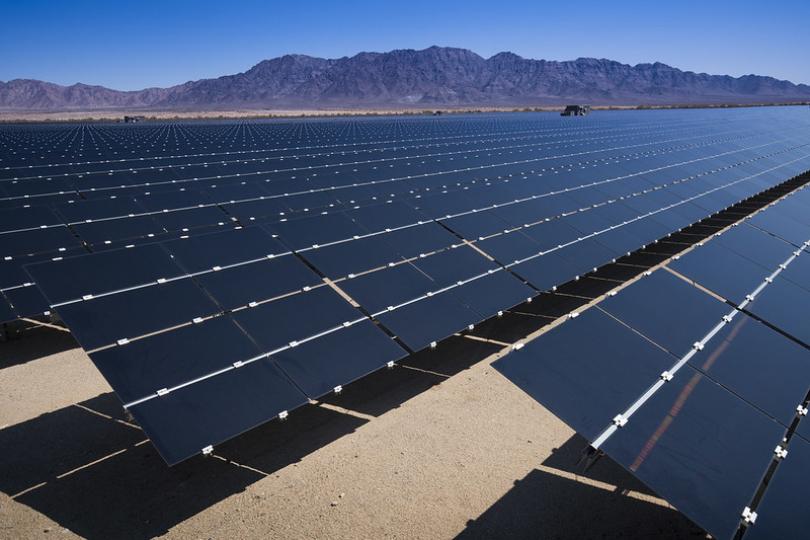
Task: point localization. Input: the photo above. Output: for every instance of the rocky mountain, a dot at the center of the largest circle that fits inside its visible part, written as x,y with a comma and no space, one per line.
433,77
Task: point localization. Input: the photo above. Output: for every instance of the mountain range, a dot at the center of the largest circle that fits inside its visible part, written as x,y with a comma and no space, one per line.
433,77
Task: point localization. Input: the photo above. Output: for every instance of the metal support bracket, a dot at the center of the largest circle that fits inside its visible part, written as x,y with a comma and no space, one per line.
749,516
619,420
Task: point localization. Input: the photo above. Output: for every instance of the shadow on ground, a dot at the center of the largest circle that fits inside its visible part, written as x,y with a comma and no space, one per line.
86,461
561,500
27,343
89,470
546,505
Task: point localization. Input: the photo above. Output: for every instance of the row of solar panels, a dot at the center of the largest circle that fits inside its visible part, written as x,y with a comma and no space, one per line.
51,147
303,174
96,175
207,336
696,377
515,196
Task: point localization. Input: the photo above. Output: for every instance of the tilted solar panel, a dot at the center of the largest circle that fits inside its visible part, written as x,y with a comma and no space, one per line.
696,377
323,259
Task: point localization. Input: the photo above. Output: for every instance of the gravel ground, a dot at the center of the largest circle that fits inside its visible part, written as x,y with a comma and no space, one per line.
443,447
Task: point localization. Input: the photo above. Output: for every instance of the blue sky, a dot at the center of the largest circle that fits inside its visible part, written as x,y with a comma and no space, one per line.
135,44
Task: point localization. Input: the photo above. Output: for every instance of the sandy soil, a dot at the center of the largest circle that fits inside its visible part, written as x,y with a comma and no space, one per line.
105,115
73,116
442,447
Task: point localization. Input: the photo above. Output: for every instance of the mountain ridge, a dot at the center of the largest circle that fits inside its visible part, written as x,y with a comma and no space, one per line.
408,78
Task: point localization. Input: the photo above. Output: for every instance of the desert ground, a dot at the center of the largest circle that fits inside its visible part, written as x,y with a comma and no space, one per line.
441,446
10,116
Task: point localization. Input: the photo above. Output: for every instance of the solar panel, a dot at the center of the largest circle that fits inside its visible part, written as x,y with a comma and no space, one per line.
322,255
700,447
688,392
782,513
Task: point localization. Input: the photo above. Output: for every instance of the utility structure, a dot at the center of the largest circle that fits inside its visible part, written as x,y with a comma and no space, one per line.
576,110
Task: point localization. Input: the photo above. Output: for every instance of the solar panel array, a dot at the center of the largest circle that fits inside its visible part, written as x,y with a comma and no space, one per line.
696,377
229,273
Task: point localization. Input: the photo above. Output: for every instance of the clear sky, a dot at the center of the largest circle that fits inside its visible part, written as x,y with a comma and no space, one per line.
135,44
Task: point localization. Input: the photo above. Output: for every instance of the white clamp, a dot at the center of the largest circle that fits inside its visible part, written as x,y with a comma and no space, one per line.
208,450
749,516
619,420
338,389
801,409
698,346
283,415
781,452
666,376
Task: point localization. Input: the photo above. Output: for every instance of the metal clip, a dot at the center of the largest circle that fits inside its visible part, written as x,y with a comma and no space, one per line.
208,450
390,364
432,344
283,415
619,420
781,453
338,389
162,391
698,346
666,376
749,516
801,409
122,341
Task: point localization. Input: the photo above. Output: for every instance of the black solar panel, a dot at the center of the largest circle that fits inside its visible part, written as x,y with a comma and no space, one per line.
325,254
687,391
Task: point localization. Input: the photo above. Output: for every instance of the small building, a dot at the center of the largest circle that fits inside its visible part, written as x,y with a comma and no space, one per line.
576,110
133,119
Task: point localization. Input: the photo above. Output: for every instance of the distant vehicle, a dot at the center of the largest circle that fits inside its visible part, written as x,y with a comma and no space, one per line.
576,110
133,119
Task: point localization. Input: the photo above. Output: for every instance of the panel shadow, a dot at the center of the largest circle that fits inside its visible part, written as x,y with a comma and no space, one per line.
31,343
547,505
100,478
